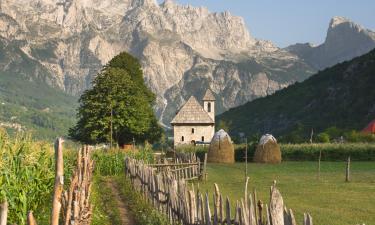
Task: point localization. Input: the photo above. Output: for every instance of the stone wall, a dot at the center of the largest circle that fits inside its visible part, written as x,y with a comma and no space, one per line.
179,131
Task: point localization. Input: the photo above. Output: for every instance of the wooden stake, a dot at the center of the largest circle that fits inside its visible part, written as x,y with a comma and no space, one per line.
307,219
320,158
205,167
4,213
347,177
59,182
30,219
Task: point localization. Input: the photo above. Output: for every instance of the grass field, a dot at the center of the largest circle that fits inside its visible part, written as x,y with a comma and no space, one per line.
330,200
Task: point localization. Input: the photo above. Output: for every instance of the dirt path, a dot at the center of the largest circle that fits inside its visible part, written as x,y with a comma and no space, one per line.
125,216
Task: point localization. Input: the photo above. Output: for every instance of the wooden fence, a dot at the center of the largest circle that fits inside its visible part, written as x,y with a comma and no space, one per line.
74,204
184,166
186,157
180,204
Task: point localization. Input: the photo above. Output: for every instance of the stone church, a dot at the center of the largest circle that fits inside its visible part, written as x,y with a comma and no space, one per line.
195,123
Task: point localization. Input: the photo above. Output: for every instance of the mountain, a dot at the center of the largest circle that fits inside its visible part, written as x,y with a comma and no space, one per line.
341,96
35,107
345,40
183,49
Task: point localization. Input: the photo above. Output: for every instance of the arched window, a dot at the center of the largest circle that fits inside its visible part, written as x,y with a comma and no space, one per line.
209,107
192,130
202,138
182,138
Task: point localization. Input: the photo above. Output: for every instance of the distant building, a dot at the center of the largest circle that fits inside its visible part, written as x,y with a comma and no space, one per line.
370,128
195,123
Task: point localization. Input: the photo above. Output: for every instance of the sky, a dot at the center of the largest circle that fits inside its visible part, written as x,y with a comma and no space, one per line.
286,22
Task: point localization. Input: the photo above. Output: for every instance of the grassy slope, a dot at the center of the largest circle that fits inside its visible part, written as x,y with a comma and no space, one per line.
26,102
341,96
330,200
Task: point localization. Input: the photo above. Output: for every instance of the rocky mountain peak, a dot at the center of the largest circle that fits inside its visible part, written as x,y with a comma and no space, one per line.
168,3
337,20
143,3
343,32
343,26
344,41
183,49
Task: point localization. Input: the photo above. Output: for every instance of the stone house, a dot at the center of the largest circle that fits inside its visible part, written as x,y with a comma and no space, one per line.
195,123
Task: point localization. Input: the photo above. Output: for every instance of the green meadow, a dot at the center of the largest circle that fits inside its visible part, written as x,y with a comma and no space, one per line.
330,200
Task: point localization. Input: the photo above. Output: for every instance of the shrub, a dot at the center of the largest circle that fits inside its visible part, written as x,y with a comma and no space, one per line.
355,136
330,151
323,138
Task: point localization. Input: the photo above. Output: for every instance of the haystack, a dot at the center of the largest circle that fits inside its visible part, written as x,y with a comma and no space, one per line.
268,151
221,148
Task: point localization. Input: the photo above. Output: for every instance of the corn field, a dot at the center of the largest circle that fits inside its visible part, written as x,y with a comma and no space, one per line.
27,176
27,172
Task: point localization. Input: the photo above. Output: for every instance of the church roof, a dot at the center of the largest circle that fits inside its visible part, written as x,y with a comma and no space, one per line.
209,96
192,113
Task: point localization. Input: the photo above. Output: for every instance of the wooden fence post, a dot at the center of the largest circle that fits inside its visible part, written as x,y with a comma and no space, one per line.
320,158
347,177
205,167
307,219
276,207
30,219
59,182
189,207
4,213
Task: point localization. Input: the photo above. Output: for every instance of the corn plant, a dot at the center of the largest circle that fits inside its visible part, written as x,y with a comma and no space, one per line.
27,176
111,162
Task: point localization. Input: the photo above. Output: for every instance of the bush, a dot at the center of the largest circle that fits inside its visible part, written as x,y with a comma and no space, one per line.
323,138
355,137
330,152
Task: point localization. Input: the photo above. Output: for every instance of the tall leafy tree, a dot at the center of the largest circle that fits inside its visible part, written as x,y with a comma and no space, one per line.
118,107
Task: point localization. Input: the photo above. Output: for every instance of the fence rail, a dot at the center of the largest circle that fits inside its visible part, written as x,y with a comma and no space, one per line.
182,205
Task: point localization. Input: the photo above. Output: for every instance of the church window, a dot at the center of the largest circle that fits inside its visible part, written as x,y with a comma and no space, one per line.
202,138
209,107
182,138
192,130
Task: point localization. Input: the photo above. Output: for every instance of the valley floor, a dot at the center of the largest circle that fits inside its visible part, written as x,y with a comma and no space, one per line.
330,200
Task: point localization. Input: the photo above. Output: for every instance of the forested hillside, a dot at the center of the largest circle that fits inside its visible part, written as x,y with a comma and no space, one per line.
342,96
34,106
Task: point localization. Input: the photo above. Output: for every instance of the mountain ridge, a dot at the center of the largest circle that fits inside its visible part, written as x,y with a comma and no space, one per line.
344,41
342,96
183,49
72,40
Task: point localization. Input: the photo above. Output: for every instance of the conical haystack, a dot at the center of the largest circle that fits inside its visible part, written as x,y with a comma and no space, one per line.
221,148
268,151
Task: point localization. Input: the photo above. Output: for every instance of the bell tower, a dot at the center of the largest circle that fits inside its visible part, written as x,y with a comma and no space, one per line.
209,103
